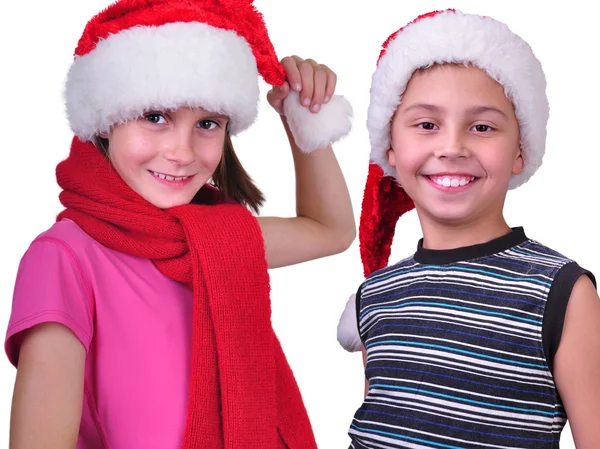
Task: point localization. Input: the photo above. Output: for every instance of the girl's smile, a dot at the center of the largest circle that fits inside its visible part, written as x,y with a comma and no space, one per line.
166,157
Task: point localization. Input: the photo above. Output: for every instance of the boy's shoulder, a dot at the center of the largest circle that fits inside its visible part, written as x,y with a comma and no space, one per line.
537,252
388,272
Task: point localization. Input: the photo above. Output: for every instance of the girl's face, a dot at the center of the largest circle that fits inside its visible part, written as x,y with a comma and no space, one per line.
166,157
455,145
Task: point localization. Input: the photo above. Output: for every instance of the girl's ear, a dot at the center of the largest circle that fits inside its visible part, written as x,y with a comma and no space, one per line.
391,156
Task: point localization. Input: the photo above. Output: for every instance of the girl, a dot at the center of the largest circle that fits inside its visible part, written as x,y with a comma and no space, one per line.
484,337
141,319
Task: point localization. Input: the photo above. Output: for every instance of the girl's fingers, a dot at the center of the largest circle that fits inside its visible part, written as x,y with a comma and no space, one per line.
307,79
315,82
331,83
320,84
292,72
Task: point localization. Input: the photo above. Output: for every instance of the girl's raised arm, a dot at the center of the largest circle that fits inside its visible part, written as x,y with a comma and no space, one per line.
324,224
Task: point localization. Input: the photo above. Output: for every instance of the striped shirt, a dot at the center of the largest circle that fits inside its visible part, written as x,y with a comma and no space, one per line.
460,345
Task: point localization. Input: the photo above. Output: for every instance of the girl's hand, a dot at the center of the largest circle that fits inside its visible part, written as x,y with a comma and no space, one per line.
314,82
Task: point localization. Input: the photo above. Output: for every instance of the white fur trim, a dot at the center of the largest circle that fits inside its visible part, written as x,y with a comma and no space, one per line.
317,130
455,37
347,330
165,67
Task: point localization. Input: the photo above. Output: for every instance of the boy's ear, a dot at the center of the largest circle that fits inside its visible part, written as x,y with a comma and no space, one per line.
518,164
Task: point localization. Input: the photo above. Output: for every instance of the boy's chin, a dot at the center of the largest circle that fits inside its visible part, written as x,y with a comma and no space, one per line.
451,216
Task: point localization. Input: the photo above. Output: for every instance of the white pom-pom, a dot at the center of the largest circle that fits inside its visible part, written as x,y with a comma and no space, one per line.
317,130
347,331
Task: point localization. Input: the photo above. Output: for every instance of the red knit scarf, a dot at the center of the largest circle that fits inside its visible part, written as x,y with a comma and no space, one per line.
242,391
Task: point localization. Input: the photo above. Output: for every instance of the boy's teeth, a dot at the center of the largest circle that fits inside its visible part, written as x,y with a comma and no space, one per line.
448,181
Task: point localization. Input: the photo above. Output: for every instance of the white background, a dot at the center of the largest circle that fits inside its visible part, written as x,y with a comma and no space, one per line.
557,207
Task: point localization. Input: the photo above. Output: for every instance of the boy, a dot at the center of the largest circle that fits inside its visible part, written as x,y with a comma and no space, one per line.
461,340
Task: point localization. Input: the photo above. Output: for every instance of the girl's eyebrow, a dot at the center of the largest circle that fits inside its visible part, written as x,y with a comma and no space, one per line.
214,116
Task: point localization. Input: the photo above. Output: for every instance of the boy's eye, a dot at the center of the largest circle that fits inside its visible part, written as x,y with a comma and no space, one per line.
426,125
155,118
482,128
207,124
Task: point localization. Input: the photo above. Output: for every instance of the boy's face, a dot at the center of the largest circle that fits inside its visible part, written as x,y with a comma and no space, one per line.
455,144
167,156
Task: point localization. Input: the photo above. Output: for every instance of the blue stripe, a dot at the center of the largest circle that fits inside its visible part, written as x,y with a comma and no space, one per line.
550,256
452,268
461,351
462,429
514,286
468,401
479,337
391,368
448,306
404,437
450,290
544,271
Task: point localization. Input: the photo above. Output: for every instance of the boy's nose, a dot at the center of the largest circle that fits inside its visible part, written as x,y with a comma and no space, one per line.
452,147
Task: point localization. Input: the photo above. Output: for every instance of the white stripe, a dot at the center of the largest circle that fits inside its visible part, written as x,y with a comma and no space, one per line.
484,350
466,283
507,271
376,393
459,392
525,426
490,283
537,258
376,319
441,437
546,380
466,359
384,439
428,362
426,311
451,301
497,330
558,259
433,274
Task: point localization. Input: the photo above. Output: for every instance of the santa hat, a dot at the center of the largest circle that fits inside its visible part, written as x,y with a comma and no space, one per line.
139,55
439,37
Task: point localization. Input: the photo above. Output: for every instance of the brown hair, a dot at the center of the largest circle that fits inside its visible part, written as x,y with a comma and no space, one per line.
234,182
229,177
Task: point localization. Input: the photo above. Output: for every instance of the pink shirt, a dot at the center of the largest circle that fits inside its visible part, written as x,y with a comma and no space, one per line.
135,324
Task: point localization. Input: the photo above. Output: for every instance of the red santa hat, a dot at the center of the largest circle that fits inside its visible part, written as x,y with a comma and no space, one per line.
439,37
139,55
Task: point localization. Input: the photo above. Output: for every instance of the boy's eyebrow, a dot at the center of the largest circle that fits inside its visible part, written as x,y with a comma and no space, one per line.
429,107
485,108
474,110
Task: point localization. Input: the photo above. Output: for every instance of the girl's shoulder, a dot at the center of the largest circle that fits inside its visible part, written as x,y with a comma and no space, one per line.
68,233
84,249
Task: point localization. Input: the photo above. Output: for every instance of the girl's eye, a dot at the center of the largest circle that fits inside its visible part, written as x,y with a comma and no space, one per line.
208,124
482,128
155,118
426,125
